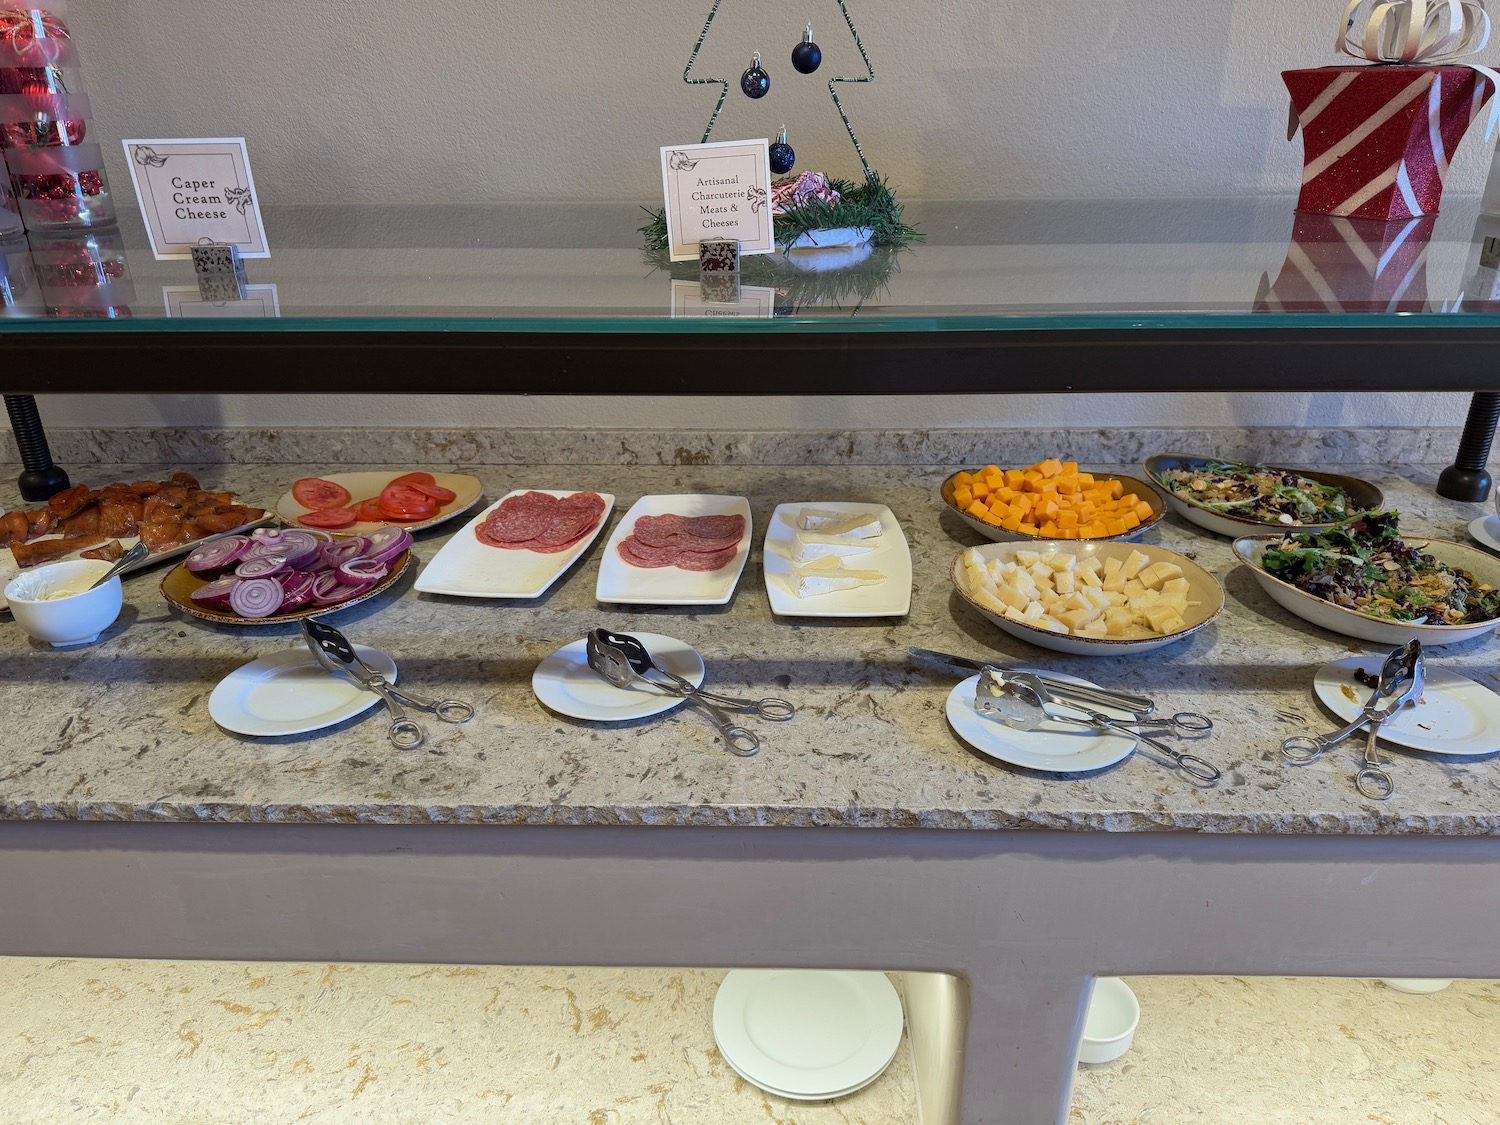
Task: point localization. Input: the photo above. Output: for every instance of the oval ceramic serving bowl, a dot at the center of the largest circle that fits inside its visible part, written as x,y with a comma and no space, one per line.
1350,622
991,529
1363,497
1203,589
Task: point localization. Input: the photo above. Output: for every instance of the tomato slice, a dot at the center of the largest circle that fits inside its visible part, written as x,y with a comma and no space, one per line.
369,511
317,494
415,478
329,517
403,503
437,492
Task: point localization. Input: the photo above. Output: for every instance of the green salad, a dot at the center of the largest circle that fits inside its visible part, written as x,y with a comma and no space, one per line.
1363,565
1259,493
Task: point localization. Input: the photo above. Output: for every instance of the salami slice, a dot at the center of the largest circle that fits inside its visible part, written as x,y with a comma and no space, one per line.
541,522
697,533
636,553
706,560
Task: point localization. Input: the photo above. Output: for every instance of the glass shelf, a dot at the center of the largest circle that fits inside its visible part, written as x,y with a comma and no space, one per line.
547,298
984,266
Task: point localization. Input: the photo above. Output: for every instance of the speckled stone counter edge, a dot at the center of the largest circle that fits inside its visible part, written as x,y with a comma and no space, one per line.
1322,446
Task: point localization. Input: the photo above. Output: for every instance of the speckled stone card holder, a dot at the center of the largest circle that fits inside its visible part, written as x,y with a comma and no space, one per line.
218,258
719,256
720,288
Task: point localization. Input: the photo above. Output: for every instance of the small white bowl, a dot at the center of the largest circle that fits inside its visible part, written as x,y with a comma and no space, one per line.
1417,986
73,619
1203,589
1109,1026
1350,622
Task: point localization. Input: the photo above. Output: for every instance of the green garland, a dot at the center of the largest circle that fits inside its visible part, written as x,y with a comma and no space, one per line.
871,204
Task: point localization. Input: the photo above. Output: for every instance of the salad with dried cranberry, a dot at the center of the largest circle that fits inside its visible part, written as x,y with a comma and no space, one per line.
1259,493
1363,565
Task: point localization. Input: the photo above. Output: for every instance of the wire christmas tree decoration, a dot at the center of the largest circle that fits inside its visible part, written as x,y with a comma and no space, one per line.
723,83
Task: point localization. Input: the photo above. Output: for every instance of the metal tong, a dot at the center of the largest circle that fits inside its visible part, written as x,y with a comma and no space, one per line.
1123,700
334,652
998,697
623,660
1401,680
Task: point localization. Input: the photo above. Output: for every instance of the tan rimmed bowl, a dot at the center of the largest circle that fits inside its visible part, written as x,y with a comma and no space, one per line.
1363,497
1000,534
1203,588
1352,623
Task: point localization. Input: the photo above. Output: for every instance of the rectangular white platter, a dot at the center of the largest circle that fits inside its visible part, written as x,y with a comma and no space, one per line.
468,568
891,556
670,585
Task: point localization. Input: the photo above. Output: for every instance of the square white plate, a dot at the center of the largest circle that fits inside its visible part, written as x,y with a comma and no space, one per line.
670,585
891,556
467,568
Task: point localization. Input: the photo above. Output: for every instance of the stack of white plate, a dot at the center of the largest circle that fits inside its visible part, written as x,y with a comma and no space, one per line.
807,1034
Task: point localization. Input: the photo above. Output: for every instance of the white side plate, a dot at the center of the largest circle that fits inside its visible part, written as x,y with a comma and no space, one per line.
669,585
1455,715
892,557
1053,746
290,693
565,683
807,1034
468,568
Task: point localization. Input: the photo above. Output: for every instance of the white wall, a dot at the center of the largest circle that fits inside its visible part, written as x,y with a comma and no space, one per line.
470,100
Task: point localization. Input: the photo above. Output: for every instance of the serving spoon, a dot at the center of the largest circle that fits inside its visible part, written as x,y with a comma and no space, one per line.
128,559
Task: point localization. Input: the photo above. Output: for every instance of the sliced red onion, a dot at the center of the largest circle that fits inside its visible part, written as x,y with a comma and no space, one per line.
215,594
340,593
357,571
256,597
297,584
342,550
386,543
218,555
296,599
268,536
267,566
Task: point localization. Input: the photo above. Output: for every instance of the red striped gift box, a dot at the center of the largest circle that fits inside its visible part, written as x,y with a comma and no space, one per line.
1377,140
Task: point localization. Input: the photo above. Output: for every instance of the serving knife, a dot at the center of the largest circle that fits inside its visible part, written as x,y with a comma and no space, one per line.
1137,704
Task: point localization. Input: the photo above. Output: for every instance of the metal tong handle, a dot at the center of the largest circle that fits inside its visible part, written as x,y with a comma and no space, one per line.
333,650
1372,781
639,658
737,739
1305,749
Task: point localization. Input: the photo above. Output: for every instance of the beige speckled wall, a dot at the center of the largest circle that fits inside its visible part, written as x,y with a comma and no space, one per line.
478,100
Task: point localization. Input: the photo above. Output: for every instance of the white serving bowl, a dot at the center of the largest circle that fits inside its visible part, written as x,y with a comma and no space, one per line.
1363,495
1000,534
1109,1026
1417,986
1203,588
1351,623
75,619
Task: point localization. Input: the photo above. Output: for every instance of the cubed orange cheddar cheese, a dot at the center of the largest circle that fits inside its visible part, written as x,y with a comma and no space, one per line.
1050,499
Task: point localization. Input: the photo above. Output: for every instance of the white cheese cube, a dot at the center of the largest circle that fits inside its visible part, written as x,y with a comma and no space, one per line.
1135,562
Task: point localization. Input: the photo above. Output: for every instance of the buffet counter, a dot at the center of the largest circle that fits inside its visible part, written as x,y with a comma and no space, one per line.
133,826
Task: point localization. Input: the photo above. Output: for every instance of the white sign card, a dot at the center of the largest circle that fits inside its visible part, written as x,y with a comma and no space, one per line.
719,190
186,301
196,191
755,302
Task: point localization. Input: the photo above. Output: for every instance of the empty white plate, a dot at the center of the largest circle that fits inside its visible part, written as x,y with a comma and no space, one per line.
807,1034
1053,746
290,693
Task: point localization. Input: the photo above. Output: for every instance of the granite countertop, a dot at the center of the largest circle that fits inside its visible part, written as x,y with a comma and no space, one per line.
120,730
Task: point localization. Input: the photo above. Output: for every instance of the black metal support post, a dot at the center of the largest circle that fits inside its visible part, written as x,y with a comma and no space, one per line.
40,478
1467,478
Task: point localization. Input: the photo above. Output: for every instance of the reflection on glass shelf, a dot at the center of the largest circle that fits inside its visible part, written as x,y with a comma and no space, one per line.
995,265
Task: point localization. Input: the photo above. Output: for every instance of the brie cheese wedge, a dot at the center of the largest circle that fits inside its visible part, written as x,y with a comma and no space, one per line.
856,525
809,582
810,545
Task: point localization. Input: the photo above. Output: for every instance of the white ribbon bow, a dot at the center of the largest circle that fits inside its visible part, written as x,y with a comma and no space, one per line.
1432,32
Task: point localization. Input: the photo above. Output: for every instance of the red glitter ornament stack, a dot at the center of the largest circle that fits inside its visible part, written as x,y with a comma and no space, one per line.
56,172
